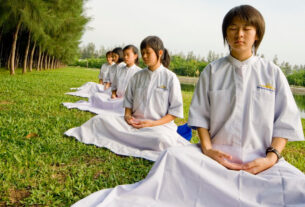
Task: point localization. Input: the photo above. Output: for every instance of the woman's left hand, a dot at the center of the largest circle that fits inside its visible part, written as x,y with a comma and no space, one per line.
143,124
260,164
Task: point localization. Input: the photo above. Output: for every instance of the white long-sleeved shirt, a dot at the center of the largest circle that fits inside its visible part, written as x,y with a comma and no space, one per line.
104,71
244,105
122,77
153,94
112,71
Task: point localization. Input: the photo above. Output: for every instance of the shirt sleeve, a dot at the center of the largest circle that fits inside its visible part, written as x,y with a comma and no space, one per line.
287,120
107,76
128,97
100,76
175,99
199,111
114,84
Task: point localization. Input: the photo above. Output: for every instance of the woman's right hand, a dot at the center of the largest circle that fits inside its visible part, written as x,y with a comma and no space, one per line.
223,159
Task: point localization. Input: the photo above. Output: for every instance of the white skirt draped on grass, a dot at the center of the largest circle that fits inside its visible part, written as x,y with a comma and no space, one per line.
88,89
99,103
184,177
111,131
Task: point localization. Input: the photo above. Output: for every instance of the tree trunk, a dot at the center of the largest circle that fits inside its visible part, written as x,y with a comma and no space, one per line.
1,31
26,54
32,56
46,61
15,37
39,59
52,63
49,62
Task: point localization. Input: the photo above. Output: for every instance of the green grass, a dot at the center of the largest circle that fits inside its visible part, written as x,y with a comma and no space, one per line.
41,167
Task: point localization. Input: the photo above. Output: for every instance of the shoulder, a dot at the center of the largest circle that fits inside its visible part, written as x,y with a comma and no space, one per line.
137,68
139,74
219,64
121,64
215,66
168,73
267,66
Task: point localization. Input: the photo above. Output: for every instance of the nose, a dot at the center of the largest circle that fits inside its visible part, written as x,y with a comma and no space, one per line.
240,32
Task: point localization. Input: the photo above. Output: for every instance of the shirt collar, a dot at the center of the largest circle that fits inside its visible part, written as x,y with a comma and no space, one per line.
121,64
129,67
158,70
241,64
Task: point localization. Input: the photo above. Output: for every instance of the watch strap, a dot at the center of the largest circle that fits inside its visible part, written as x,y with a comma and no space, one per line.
271,149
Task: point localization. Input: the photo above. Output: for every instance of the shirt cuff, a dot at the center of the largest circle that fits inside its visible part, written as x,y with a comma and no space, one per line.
176,113
127,104
290,135
198,123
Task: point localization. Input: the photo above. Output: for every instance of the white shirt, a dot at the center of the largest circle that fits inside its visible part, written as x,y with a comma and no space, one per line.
104,71
112,71
154,94
122,77
244,105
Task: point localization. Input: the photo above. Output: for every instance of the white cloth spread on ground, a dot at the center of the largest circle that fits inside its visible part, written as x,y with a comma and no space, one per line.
184,177
244,105
99,102
150,95
104,71
88,89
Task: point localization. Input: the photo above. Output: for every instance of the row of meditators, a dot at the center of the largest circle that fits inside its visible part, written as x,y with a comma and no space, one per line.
244,113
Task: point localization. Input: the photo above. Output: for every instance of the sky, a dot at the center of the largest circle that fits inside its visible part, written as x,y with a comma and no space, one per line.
194,25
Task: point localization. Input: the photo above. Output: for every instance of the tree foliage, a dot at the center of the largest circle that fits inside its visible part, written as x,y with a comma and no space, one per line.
40,33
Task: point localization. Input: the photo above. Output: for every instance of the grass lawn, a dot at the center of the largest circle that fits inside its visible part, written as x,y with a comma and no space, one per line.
41,167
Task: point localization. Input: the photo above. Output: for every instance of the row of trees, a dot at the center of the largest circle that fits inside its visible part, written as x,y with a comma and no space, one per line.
40,33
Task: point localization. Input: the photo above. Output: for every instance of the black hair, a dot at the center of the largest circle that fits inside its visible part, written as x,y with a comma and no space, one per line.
251,16
119,52
134,50
108,53
156,44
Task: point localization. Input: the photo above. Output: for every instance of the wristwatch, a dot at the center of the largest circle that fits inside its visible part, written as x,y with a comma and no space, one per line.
271,149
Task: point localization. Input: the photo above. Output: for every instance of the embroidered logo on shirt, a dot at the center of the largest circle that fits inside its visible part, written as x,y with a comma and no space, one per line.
268,87
163,87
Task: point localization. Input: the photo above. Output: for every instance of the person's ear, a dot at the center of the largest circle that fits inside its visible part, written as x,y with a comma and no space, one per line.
160,53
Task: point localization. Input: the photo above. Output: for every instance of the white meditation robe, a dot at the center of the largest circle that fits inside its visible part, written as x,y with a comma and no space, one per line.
99,102
234,100
104,71
88,89
121,79
245,104
112,71
150,95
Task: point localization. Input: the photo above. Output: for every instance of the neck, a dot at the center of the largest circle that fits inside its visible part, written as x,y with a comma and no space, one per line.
241,56
129,65
154,67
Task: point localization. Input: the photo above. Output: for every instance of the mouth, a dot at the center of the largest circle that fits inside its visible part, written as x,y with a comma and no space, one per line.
239,42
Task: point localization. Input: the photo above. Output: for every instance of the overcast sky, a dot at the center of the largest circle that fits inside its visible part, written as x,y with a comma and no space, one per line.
195,25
